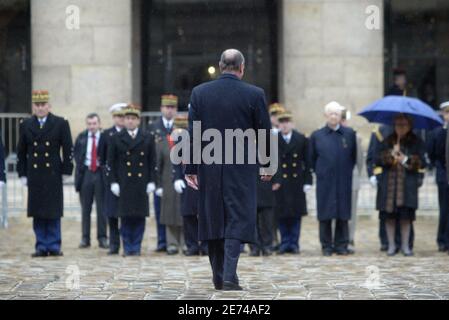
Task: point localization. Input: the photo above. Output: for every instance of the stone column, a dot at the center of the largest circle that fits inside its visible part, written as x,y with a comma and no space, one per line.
86,69
329,54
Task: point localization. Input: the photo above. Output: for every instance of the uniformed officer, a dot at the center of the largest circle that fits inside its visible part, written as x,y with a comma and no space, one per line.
399,87
131,157
160,129
40,167
189,200
110,200
438,154
333,155
273,109
291,182
170,202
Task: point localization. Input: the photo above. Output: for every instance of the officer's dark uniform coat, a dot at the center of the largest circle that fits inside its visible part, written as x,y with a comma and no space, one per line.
227,207
333,156
132,163
110,200
39,159
292,175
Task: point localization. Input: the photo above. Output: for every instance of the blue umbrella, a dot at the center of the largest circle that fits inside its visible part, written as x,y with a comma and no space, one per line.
384,111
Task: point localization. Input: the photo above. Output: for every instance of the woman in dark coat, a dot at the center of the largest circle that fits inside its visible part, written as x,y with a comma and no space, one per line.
401,156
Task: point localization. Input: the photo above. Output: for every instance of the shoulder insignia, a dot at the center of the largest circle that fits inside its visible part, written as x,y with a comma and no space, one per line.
378,134
377,170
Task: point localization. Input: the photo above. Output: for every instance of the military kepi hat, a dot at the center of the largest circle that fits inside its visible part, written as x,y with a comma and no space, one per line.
132,109
40,96
285,116
181,122
275,108
169,100
117,109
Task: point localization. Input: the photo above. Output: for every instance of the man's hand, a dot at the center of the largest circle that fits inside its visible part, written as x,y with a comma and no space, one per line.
275,187
373,181
179,186
266,178
192,181
151,187
115,189
24,181
159,192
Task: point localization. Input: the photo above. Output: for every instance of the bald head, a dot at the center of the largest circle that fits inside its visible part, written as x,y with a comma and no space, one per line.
232,61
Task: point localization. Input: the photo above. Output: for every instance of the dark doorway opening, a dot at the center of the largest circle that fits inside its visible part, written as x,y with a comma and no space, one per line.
182,42
15,52
417,40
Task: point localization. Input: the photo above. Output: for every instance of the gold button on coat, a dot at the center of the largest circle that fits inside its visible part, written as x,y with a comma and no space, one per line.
129,174
35,166
285,176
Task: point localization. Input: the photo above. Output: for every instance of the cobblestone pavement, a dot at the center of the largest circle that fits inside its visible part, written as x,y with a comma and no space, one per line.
368,274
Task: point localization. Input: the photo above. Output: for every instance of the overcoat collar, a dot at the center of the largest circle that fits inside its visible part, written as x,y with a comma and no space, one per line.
35,126
129,141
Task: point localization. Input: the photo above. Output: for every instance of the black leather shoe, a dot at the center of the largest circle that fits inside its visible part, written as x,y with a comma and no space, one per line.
172,251
254,253
55,253
267,252
218,286
204,253
112,252
84,245
39,254
103,244
231,286
131,254
190,253
442,248
384,247
160,249
294,251
327,253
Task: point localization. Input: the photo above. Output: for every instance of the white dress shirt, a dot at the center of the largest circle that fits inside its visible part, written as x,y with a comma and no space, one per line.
87,162
133,133
287,137
167,123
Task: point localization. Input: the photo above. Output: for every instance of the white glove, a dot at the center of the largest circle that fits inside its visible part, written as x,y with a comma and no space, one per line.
151,187
179,185
159,192
306,188
2,184
373,181
115,189
24,181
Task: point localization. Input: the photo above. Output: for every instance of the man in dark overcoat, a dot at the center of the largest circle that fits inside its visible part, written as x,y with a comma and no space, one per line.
291,182
110,200
437,149
227,215
131,156
159,129
41,169
333,155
